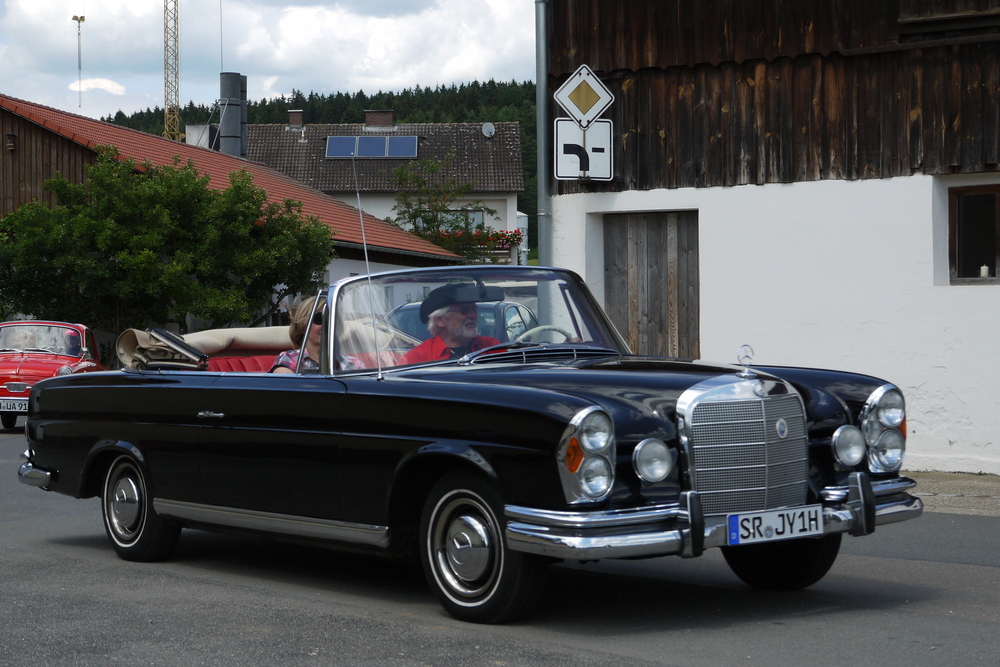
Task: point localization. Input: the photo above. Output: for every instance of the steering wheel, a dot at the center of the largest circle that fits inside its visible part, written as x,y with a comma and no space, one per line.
545,327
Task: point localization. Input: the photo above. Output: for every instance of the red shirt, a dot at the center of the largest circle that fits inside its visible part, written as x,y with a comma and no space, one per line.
434,349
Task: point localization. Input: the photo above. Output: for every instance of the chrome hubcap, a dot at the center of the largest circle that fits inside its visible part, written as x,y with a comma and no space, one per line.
464,546
468,547
125,505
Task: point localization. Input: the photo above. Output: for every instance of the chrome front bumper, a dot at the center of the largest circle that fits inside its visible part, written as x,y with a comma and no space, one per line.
680,528
31,475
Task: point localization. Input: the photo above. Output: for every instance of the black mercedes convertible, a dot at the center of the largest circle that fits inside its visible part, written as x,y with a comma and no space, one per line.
488,458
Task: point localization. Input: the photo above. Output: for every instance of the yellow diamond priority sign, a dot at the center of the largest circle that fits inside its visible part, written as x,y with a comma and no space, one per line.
584,97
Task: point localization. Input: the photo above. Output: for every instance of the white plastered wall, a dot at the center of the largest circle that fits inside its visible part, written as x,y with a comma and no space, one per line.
851,275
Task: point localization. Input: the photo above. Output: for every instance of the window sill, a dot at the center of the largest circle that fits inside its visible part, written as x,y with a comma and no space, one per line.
975,281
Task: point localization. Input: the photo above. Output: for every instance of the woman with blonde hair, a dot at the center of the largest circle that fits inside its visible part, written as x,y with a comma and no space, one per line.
302,327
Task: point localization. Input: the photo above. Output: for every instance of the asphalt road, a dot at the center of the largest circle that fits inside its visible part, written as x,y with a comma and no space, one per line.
926,592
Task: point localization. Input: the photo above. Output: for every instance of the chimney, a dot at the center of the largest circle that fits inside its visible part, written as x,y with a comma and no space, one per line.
295,119
231,114
380,120
244,133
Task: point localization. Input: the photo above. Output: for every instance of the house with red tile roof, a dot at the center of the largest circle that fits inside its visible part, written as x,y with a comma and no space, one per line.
485,155
38,142
355,162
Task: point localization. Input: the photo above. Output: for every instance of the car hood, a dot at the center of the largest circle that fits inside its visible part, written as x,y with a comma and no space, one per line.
640,392
33,365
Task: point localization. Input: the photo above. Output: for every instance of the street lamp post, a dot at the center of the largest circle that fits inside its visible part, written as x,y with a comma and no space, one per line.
79,56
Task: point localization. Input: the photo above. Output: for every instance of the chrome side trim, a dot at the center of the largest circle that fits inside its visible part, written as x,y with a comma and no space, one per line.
885,487
280,524
33,476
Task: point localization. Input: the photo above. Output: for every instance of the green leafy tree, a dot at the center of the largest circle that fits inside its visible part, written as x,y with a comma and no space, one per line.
139,246
429,204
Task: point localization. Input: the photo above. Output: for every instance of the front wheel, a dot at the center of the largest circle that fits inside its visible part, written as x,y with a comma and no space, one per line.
465,556
784,566
136,531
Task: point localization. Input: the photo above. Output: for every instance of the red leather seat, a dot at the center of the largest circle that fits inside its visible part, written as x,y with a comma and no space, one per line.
256,364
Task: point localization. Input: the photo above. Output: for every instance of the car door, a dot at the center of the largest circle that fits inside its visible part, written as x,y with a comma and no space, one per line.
269,443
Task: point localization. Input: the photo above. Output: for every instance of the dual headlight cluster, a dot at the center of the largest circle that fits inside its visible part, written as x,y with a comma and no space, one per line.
882,435
587,454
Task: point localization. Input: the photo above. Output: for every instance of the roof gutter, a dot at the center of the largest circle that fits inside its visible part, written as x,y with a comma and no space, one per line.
450,259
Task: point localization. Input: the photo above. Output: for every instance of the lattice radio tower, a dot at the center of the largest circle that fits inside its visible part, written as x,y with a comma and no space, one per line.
171,71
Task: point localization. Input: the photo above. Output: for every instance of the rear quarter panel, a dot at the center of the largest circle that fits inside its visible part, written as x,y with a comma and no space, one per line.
77,422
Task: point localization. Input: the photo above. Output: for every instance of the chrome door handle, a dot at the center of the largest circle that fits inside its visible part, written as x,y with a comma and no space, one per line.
208,414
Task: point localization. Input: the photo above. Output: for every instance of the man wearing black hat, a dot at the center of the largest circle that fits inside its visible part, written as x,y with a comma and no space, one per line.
452,317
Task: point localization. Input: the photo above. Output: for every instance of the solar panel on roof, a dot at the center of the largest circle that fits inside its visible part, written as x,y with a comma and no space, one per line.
402,147
371,146
340,146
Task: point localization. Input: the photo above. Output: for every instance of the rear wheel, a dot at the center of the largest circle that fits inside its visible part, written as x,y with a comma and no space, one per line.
136,531
784,566
8,419
465,555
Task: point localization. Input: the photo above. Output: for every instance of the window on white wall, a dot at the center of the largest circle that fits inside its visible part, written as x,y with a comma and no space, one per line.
973,232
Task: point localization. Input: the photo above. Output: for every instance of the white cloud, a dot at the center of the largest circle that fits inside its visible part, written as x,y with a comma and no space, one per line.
324,47
106,85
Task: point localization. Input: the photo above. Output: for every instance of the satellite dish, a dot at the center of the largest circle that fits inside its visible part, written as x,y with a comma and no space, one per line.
489,130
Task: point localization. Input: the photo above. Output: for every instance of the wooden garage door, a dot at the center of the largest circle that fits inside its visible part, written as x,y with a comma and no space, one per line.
651,280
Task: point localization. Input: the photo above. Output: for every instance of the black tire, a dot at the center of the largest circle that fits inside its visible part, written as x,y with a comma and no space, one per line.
465,556
784,566
8,419
136,531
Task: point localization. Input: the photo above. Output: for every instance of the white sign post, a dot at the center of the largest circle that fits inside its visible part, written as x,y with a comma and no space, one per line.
583,148
584,97
583,154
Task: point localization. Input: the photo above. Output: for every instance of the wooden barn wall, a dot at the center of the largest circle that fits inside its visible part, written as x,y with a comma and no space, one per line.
38,155
612,35
931,110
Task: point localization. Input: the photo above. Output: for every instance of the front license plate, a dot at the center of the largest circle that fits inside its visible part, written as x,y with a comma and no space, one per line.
14,405
774,525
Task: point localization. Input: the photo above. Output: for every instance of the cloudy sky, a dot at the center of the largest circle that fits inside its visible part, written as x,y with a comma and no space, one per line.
280,45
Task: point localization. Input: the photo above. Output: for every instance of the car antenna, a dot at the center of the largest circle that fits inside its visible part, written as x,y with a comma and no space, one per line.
368,270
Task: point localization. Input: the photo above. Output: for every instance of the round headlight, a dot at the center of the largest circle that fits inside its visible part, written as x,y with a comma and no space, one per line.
652,461
65,370
595,431
848,445
888,451
872,429
595,476
891,409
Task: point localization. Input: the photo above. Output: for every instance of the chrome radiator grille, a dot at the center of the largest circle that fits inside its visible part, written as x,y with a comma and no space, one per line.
740,463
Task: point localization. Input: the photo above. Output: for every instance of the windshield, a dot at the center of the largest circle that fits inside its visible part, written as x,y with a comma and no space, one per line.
41,338
414,317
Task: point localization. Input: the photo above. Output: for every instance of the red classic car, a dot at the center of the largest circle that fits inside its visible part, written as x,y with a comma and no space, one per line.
34,350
